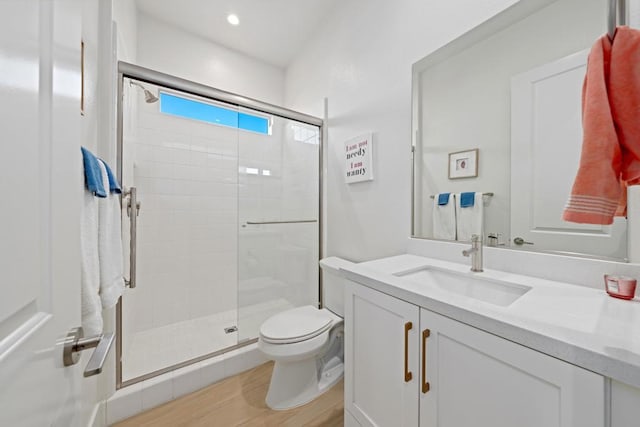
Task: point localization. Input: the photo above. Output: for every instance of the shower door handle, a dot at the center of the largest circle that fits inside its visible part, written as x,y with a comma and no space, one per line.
133,210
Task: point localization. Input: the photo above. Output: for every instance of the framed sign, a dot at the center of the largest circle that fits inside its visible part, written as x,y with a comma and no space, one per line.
358,157
463,164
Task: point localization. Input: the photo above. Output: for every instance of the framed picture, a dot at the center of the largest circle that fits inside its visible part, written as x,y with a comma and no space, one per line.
358,158
463,164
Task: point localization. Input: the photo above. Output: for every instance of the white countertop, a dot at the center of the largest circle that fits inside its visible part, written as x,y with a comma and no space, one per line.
579,325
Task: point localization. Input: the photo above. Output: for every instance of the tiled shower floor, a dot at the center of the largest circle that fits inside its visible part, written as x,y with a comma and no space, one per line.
162,347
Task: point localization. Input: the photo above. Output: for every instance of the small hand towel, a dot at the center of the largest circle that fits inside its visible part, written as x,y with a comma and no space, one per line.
110,242
469,220
610,157
444,218
114,185
467,199
443,198
93,174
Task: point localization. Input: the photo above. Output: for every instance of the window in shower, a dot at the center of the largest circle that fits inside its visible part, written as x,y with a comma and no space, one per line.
212,113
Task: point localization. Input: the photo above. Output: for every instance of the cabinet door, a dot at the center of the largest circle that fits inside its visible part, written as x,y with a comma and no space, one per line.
625,405
381,358
479,379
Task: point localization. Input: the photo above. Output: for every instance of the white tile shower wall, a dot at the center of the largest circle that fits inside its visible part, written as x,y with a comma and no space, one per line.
301,177
261,169
300,201
278,182
186,173
195,180
259,200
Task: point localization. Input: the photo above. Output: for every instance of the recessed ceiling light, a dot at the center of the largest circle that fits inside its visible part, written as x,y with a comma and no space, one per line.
233,19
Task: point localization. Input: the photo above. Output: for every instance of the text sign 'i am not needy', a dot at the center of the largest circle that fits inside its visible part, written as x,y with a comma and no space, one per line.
359,165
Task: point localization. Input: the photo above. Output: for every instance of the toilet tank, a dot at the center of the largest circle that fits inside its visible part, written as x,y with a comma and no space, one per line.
333,284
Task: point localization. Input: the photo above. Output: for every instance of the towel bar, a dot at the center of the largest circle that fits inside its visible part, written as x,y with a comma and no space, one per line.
617,16
490,194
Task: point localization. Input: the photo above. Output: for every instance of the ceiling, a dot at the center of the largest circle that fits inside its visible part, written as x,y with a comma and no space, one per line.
270,30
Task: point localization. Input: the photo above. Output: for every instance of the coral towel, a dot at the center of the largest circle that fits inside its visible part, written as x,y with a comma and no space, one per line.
610,158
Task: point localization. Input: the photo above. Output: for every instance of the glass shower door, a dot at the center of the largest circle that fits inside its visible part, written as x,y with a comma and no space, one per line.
183,160
278,217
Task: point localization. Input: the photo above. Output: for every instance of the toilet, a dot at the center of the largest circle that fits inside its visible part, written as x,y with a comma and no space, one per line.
307,344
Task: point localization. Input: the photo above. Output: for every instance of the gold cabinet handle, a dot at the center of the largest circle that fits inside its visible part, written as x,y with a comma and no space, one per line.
407,373
425,383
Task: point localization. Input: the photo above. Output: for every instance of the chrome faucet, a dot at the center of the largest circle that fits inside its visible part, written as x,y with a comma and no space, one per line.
475,252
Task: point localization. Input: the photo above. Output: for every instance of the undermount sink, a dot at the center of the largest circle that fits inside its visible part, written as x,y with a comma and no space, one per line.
470,285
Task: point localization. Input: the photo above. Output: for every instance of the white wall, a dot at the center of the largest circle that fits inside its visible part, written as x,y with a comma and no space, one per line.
361,60
168,49
125,14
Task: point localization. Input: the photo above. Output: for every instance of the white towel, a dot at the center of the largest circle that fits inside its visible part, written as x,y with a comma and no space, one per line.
90,266
469,219
109,245
444,218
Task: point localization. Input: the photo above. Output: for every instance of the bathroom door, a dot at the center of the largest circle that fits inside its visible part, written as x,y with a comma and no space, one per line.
41,186
278,217
546,140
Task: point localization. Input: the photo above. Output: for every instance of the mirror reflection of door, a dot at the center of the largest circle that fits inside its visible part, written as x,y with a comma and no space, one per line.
546,129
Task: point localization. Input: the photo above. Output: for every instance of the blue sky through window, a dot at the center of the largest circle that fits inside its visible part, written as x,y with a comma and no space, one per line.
202,111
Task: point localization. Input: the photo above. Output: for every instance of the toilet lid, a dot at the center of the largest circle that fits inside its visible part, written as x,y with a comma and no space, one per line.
297,324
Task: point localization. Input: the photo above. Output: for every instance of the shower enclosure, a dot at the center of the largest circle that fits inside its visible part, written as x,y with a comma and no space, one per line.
227,231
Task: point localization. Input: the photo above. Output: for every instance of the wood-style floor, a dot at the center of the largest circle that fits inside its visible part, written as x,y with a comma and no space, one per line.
239,401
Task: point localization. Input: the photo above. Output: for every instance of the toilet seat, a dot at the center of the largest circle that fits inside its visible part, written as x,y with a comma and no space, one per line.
296,325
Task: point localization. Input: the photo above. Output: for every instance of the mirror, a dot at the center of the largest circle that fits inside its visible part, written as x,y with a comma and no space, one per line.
511,89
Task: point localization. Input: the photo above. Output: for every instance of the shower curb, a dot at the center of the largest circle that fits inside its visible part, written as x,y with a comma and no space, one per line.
147,394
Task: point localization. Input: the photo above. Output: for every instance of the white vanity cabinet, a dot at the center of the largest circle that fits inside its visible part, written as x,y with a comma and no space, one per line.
474,378
381,359
479,379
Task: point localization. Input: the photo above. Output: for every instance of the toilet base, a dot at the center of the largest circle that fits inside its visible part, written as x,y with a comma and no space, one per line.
295,383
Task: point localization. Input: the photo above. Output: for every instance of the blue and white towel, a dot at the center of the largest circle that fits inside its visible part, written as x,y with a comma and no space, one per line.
467,200
444,216
110,242
469,215
92,173
101,243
